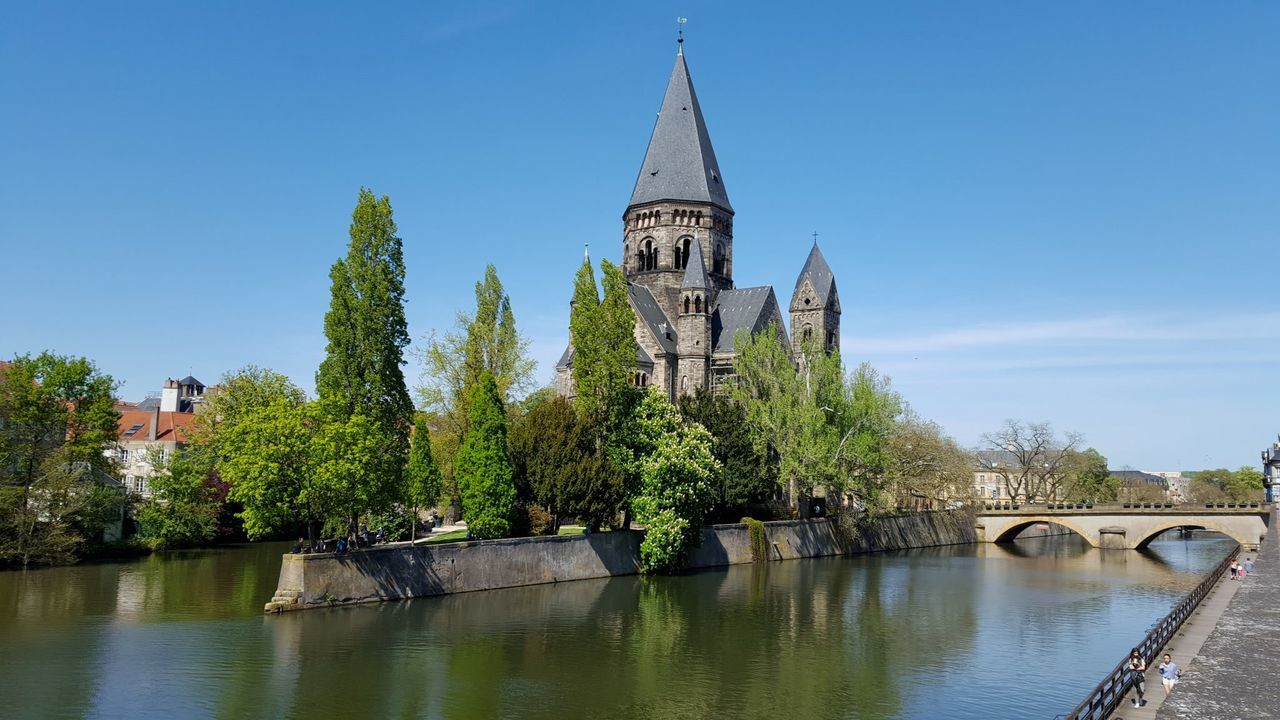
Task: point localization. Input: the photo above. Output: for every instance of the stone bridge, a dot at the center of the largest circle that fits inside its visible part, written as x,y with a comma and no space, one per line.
1127,528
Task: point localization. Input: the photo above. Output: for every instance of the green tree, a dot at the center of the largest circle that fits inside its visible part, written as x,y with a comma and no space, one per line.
57,421
361,375
65,507
602,333
237,395
822,429
747,476
50,403
558,465
185,504
1246,484
483,469
424,486
1087,478
268,465
924,467
483,340
677,484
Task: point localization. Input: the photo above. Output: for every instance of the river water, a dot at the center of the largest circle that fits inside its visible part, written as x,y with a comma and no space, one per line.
982,631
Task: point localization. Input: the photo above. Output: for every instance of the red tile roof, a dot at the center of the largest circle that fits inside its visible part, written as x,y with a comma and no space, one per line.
173,426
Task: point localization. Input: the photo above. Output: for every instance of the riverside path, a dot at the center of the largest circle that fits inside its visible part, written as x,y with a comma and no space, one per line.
1233,674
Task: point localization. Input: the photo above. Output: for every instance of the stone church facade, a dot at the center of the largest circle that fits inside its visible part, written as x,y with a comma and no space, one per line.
677,256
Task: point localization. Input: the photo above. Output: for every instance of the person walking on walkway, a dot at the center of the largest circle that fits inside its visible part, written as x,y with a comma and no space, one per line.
1169,674
1248,565
1138,668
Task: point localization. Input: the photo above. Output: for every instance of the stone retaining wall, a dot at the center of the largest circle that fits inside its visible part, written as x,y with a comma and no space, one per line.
398,571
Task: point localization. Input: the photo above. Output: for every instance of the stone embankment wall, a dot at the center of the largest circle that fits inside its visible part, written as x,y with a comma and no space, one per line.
395,572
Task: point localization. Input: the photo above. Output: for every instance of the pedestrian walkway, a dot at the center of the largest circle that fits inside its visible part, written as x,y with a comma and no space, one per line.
1184,646
1233,674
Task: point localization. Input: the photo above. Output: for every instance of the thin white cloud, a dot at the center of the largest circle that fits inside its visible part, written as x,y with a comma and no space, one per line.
1077,332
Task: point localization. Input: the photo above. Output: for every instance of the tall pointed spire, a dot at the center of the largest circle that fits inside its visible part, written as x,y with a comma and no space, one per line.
695,273
819,274
680,163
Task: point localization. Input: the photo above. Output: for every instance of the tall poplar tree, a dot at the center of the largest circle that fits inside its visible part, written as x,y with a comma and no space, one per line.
584,335
603,336
484,473
362,372
424,484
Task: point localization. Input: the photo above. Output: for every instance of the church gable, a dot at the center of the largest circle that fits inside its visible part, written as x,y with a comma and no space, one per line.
654,330
750,309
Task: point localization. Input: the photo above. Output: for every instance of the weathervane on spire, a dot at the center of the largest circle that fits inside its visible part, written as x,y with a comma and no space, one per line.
680,21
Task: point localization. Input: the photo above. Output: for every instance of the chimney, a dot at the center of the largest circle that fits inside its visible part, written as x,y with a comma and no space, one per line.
155,422
169,396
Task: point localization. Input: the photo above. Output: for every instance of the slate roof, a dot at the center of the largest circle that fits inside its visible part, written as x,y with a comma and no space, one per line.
739,309
695,273
653,316
1137,477
819,274
680,163
188,380
566,358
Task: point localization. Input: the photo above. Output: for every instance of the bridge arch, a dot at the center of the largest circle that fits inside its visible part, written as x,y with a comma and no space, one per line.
1011,531
1201,523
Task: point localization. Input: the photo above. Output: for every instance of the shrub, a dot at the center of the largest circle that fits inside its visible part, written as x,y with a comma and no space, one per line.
666,542
759,540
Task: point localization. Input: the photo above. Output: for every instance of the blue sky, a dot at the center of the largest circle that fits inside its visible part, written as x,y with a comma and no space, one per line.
1049,211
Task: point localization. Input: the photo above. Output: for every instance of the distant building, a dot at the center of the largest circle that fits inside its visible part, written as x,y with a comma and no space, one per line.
1136,480
1271,470
991,484
149,432
1179,484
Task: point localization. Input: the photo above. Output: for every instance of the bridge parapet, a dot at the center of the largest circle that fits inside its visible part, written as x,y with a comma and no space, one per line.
1115,526
1007,509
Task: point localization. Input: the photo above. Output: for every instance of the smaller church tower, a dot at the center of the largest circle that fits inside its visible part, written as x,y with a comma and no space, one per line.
815,307
694,326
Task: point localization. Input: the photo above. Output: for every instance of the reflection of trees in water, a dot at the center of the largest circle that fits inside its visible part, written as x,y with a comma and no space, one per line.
52,638
821,638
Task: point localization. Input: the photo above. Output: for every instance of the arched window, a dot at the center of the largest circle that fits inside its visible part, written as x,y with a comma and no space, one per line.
697,219
684,256
686,304
808,332
697,304
718,260
678,260
648,256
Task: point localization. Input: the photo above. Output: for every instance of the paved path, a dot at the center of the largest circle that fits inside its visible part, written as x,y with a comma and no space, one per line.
1233,677
1186,644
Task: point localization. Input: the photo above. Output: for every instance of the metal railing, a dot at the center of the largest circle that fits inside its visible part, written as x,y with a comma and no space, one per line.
1108,694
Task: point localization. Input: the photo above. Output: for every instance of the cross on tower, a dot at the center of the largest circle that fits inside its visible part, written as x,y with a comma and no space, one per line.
815,237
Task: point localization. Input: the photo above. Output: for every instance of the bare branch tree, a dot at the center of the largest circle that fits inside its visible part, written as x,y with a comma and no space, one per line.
1030,459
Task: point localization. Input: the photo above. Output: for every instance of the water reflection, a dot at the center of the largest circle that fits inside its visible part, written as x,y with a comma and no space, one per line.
980,631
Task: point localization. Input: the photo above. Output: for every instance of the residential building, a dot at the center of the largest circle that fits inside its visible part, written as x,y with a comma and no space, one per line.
151,431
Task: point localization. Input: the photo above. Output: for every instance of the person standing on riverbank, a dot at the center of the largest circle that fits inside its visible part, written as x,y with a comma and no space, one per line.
1169,674
1138,667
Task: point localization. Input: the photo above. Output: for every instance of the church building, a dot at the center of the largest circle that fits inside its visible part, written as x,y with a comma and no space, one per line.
677,256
